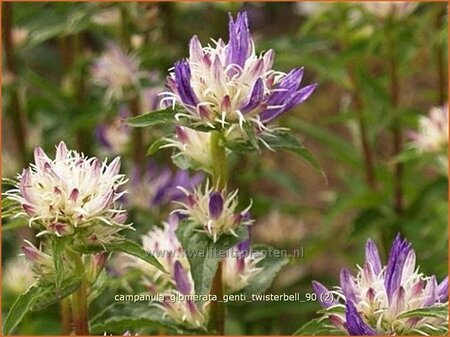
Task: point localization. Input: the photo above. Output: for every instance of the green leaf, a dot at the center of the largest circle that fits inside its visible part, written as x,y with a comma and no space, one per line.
203,254
286,141
122,316
318,327
124,246
271,265
13,223
58,245
153,118
183,162
250,132
156,146
439,311
20,307
51,294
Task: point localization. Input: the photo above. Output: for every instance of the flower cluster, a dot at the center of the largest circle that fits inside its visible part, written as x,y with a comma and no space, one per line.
116,71
378,299
71,192
226,85
214,211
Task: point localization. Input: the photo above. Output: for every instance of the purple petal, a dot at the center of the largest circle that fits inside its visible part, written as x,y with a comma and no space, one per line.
183,83
321,292
397,257
430,292
61,151
239,44
40,158
348,285
195,50
443,290
215,205
256,96
181,279
373,256
355,325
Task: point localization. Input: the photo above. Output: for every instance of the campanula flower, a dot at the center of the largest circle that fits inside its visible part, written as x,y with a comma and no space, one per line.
70,192
214,211
378,298
226,85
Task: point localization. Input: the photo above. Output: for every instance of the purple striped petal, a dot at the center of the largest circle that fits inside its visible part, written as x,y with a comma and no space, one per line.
373,256
348,285
397,257
355,325
430,293
239,44
255,97
183,83
215,205
40,158
181,279
321,292
443,290
195,50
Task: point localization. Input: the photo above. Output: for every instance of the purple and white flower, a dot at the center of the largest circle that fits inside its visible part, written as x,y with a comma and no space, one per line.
226,85
214,211
239,267
432,133
69,192
41,262
376,301
116,71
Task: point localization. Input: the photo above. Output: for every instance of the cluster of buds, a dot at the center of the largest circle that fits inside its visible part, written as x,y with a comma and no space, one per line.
214,211
71,193
377,299
228,84
239,267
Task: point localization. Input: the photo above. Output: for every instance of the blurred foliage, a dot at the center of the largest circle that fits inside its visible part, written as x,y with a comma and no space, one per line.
342,47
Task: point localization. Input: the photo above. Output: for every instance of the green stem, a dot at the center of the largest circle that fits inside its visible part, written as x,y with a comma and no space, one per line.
220,179
219,161
66,316
138,136
79,300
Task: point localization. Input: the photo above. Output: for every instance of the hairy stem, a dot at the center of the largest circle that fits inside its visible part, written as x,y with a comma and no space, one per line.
66,316
79,300
17,115
220,179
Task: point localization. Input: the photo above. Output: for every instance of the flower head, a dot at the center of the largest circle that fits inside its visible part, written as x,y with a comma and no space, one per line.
114,136
116,71
18,275
70,192
378,298
228,84
239,266
214,211
432,134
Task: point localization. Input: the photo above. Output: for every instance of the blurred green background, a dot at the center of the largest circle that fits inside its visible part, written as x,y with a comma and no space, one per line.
376,78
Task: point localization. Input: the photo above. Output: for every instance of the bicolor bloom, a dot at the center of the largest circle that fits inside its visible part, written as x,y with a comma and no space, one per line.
115,71
69,192
239,267
193,145
378,298
159,186
214,211
390,9
178,304
226,85
432,133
